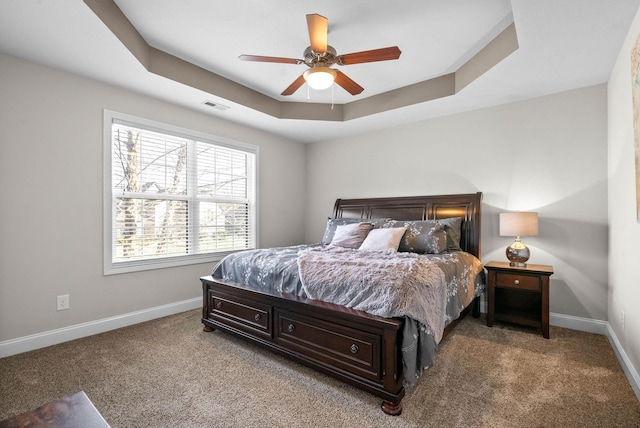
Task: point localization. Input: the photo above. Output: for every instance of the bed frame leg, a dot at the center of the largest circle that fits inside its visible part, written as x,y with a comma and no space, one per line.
207,328
393,409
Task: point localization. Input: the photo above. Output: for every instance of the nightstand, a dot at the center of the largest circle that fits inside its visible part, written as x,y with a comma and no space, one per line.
519,295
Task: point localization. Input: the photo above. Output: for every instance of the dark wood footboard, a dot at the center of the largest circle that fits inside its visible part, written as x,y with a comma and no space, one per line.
355,347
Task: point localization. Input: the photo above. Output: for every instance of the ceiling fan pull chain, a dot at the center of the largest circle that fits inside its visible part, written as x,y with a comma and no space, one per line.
332,85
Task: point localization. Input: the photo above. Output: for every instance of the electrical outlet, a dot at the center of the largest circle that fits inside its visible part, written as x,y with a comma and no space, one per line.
63,302
622,319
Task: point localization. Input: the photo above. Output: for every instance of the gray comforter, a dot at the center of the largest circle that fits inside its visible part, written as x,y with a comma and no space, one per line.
428,290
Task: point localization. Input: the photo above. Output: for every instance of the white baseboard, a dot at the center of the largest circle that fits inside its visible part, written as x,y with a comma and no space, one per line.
628,368
578,323
60,335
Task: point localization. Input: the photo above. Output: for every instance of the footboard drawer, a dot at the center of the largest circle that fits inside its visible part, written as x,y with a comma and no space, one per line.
328,343
243,314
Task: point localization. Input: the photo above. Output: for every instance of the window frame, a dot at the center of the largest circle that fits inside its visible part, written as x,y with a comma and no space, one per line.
109,266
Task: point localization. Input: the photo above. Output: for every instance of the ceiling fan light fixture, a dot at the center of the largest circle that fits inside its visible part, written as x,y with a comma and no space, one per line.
320,77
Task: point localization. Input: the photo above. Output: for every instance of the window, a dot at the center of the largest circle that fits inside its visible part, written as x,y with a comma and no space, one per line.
174,196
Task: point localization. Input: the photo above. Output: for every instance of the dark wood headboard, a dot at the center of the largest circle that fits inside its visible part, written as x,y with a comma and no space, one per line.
467,206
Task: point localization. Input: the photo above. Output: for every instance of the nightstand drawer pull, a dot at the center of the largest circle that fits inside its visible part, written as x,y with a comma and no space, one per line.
516,282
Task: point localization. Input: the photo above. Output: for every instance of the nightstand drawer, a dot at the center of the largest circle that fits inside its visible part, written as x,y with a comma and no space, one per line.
521,282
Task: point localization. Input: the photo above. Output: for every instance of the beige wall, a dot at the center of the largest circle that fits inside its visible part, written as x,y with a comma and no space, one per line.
546,154
51,193
624,255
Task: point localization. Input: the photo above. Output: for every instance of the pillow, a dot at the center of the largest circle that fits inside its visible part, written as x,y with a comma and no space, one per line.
453,228
377,222
351,235
383,239
332,223
422,236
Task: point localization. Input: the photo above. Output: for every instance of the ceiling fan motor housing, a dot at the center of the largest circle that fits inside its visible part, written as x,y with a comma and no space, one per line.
320,59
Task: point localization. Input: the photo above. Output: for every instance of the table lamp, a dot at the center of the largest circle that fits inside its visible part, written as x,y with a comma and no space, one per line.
518,224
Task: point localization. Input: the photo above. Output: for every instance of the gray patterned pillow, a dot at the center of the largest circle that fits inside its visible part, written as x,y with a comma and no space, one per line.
453,228
351,235
422,236
377,222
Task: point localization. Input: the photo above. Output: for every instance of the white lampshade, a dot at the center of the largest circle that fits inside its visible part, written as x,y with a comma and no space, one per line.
519,224
320,77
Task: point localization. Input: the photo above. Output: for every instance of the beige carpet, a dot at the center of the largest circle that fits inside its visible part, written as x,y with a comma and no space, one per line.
169,373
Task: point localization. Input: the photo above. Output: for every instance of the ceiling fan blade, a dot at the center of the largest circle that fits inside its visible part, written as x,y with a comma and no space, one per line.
294,86
260,58
383,54
318,28
347,84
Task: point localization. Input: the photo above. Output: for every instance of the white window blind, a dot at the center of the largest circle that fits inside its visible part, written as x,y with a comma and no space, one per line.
174,196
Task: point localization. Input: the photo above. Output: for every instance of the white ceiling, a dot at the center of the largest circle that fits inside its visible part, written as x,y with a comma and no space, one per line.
563,45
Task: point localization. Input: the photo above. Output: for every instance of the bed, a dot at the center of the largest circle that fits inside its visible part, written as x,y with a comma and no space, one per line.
364,348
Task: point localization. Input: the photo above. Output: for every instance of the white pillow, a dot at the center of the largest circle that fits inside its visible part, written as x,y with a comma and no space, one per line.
383,239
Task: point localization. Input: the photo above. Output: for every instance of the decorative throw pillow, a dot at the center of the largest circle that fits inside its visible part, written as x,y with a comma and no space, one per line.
422,236
332,224
351,235
453,228
383,239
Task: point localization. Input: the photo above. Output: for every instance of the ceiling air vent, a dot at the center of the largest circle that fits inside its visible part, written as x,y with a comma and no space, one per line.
217,106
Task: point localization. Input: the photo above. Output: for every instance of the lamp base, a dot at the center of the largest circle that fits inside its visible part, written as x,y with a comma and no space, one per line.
518,254
517,264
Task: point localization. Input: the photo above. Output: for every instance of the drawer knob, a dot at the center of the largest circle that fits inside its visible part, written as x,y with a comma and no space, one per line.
257,317
219,305
354,348
291,328
516,282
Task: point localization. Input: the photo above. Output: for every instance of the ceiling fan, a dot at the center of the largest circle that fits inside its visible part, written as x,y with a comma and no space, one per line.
319,57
